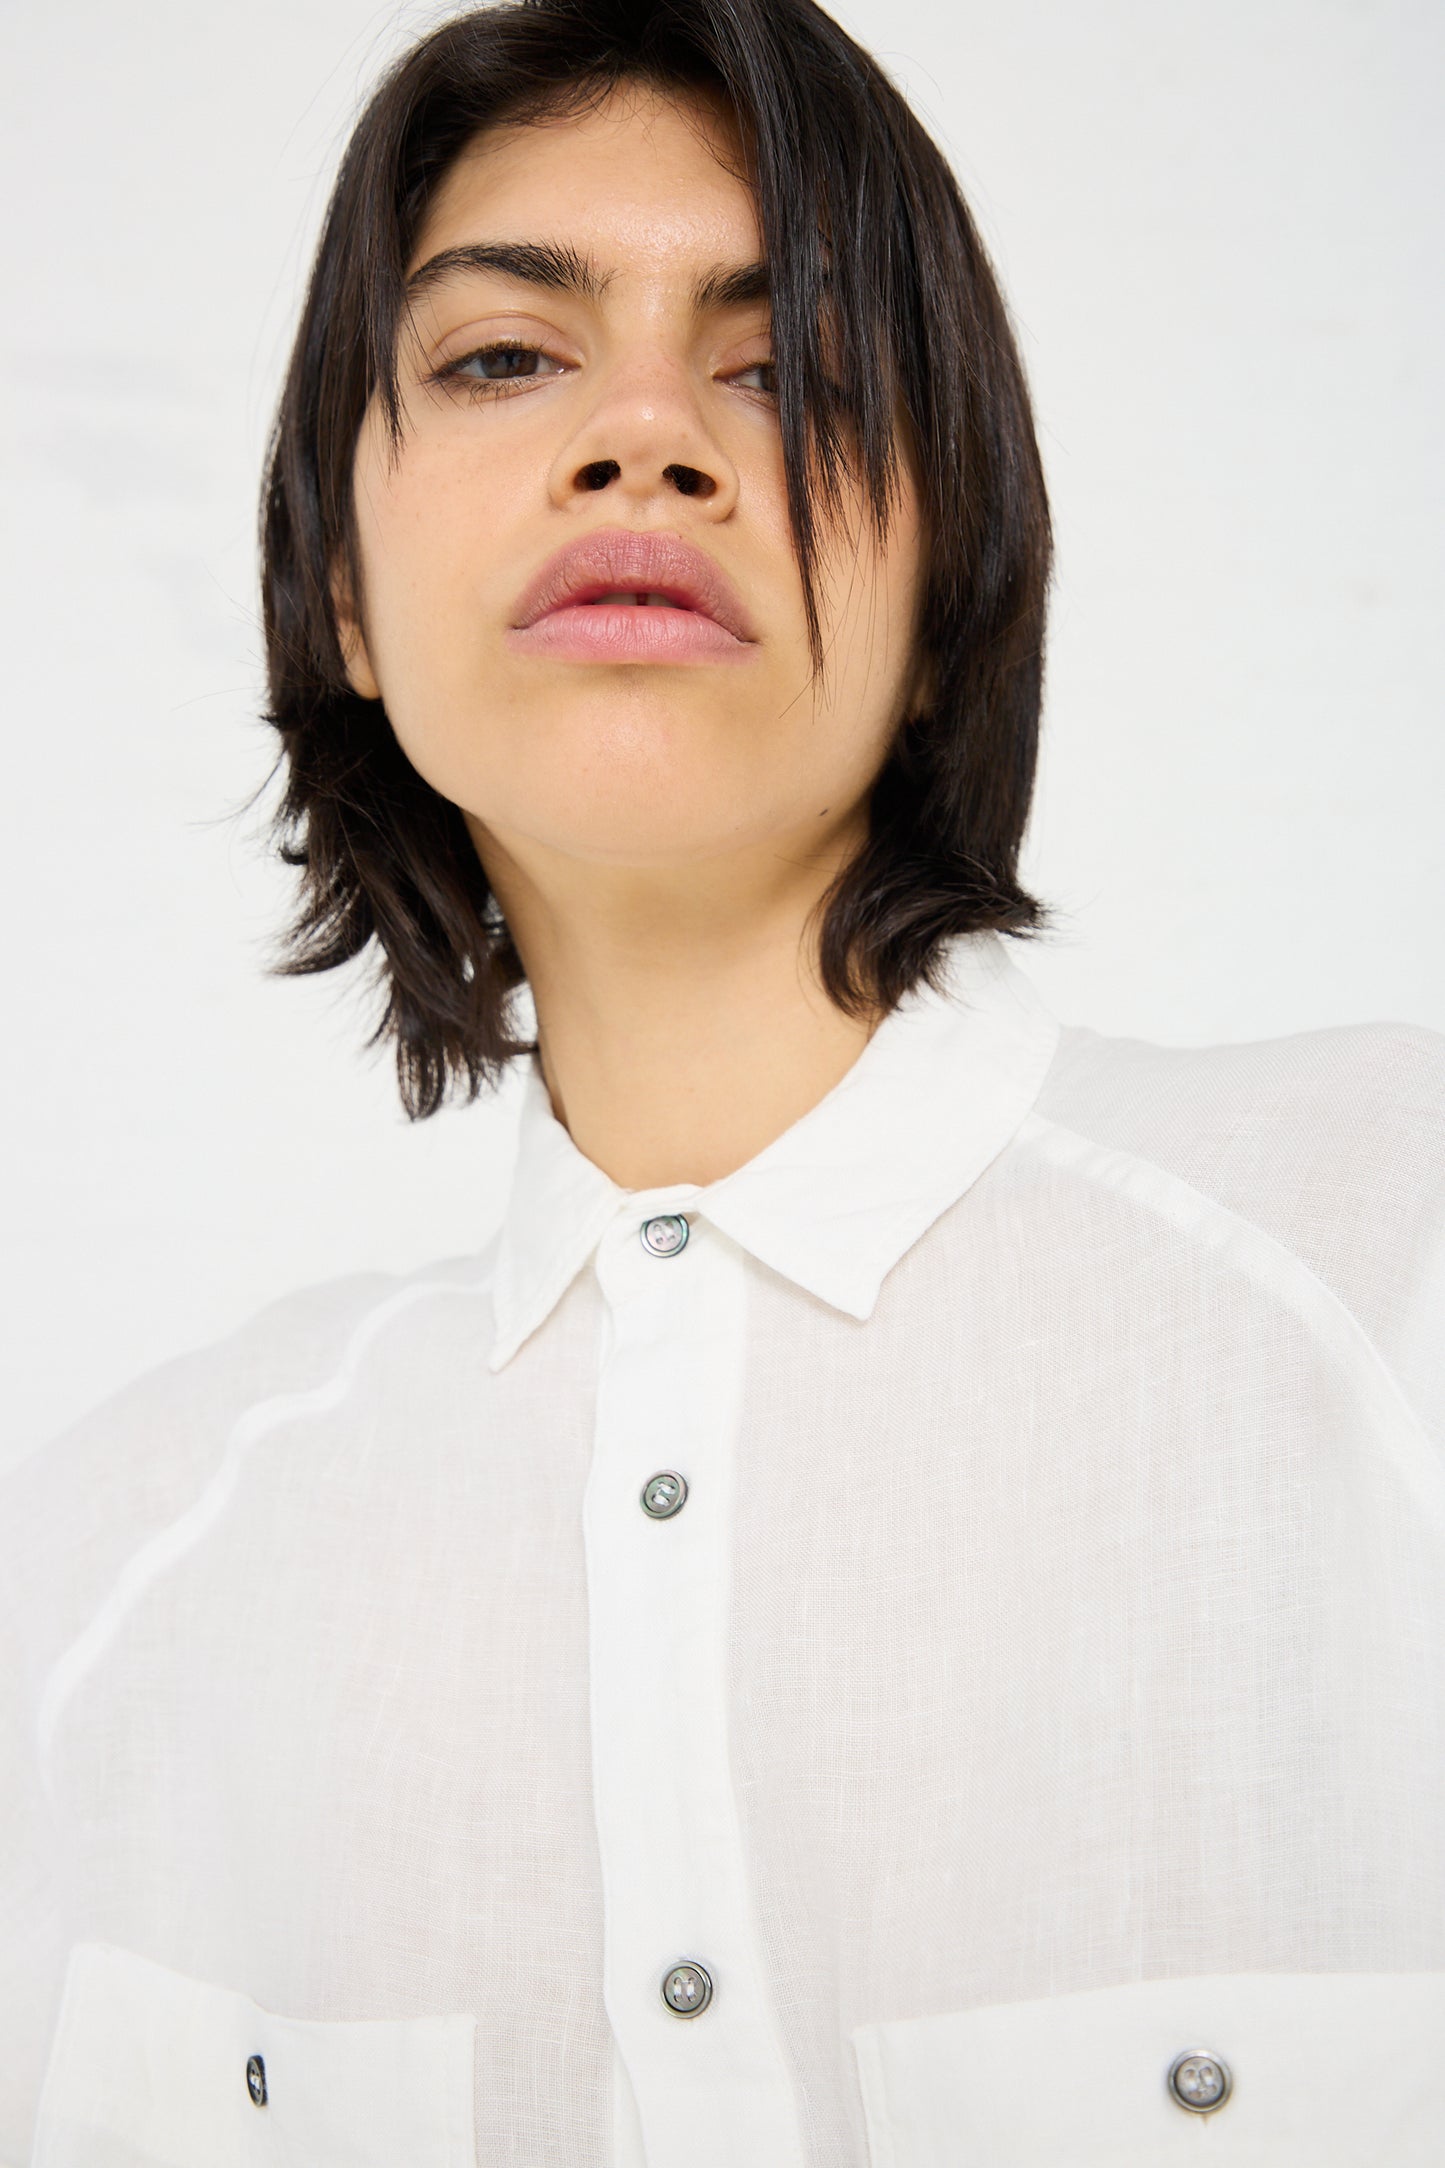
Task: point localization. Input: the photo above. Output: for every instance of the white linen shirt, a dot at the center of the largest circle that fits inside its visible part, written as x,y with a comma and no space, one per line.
1039,1681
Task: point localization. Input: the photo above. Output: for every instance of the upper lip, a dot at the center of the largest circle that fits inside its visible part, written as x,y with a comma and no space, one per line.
614,559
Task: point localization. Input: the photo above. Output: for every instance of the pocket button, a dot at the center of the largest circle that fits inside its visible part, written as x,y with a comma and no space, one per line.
256,2079
1199,2081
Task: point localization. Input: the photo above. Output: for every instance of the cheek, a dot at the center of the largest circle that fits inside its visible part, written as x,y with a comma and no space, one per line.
873,608
435,558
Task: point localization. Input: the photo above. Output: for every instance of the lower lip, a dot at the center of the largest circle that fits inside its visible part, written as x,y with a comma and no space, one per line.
628,632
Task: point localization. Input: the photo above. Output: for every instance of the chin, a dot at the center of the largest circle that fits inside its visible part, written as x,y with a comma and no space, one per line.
648,837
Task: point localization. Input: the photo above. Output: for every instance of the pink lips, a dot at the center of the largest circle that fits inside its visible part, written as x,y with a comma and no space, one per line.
700,619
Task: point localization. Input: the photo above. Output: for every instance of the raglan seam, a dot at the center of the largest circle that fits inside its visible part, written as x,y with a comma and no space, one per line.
1033,1131
59,1680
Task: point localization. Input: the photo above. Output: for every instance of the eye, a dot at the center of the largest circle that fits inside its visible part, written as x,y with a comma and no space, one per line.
763,368
488,369
504,361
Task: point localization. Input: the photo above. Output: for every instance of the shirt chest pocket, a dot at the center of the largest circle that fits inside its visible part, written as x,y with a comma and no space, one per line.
1237,2070
150,2069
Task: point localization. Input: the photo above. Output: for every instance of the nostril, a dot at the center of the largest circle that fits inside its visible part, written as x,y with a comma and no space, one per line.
690,481
599,473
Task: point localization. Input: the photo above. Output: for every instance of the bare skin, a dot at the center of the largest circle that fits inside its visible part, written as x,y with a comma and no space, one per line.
656,834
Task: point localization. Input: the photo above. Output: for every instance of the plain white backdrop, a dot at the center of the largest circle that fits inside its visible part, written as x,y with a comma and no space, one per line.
1218,227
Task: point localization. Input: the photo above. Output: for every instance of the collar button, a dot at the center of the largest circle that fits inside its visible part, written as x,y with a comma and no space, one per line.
664,1236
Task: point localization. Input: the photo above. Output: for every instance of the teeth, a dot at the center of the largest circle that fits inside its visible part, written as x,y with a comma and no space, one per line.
657,601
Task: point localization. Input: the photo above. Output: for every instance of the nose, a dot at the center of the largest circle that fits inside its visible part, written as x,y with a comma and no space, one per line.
645,437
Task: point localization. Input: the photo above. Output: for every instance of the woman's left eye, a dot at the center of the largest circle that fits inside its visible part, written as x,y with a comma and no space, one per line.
766,368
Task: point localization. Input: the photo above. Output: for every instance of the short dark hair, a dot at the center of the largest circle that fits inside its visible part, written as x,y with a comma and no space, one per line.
860,216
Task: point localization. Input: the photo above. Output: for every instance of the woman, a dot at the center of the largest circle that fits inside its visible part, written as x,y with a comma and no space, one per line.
894,1614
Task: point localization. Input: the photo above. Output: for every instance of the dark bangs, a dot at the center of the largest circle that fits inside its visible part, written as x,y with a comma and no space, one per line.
880,291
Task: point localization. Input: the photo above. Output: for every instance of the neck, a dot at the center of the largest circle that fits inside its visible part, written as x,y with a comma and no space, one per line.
681,1023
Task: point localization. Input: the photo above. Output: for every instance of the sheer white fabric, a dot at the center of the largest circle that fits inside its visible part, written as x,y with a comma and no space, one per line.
1042,1678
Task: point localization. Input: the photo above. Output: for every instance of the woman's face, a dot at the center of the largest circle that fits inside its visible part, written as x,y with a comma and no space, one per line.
638,406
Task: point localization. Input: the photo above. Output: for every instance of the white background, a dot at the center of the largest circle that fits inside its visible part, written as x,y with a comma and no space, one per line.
1218,228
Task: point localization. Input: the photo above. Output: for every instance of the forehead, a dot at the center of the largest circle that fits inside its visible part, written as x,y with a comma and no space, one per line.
657,174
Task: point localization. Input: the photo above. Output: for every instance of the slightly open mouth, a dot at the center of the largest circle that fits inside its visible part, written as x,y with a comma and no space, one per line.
660,602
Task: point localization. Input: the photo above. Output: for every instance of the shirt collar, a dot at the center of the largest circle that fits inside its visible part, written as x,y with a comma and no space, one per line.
836,1200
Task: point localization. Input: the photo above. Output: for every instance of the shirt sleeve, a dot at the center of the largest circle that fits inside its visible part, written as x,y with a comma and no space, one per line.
74,1512
1331,1142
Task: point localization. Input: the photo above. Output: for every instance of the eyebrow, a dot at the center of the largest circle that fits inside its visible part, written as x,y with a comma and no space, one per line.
565,270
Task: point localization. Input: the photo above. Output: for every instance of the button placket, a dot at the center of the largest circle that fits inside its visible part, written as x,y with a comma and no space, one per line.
680,1945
